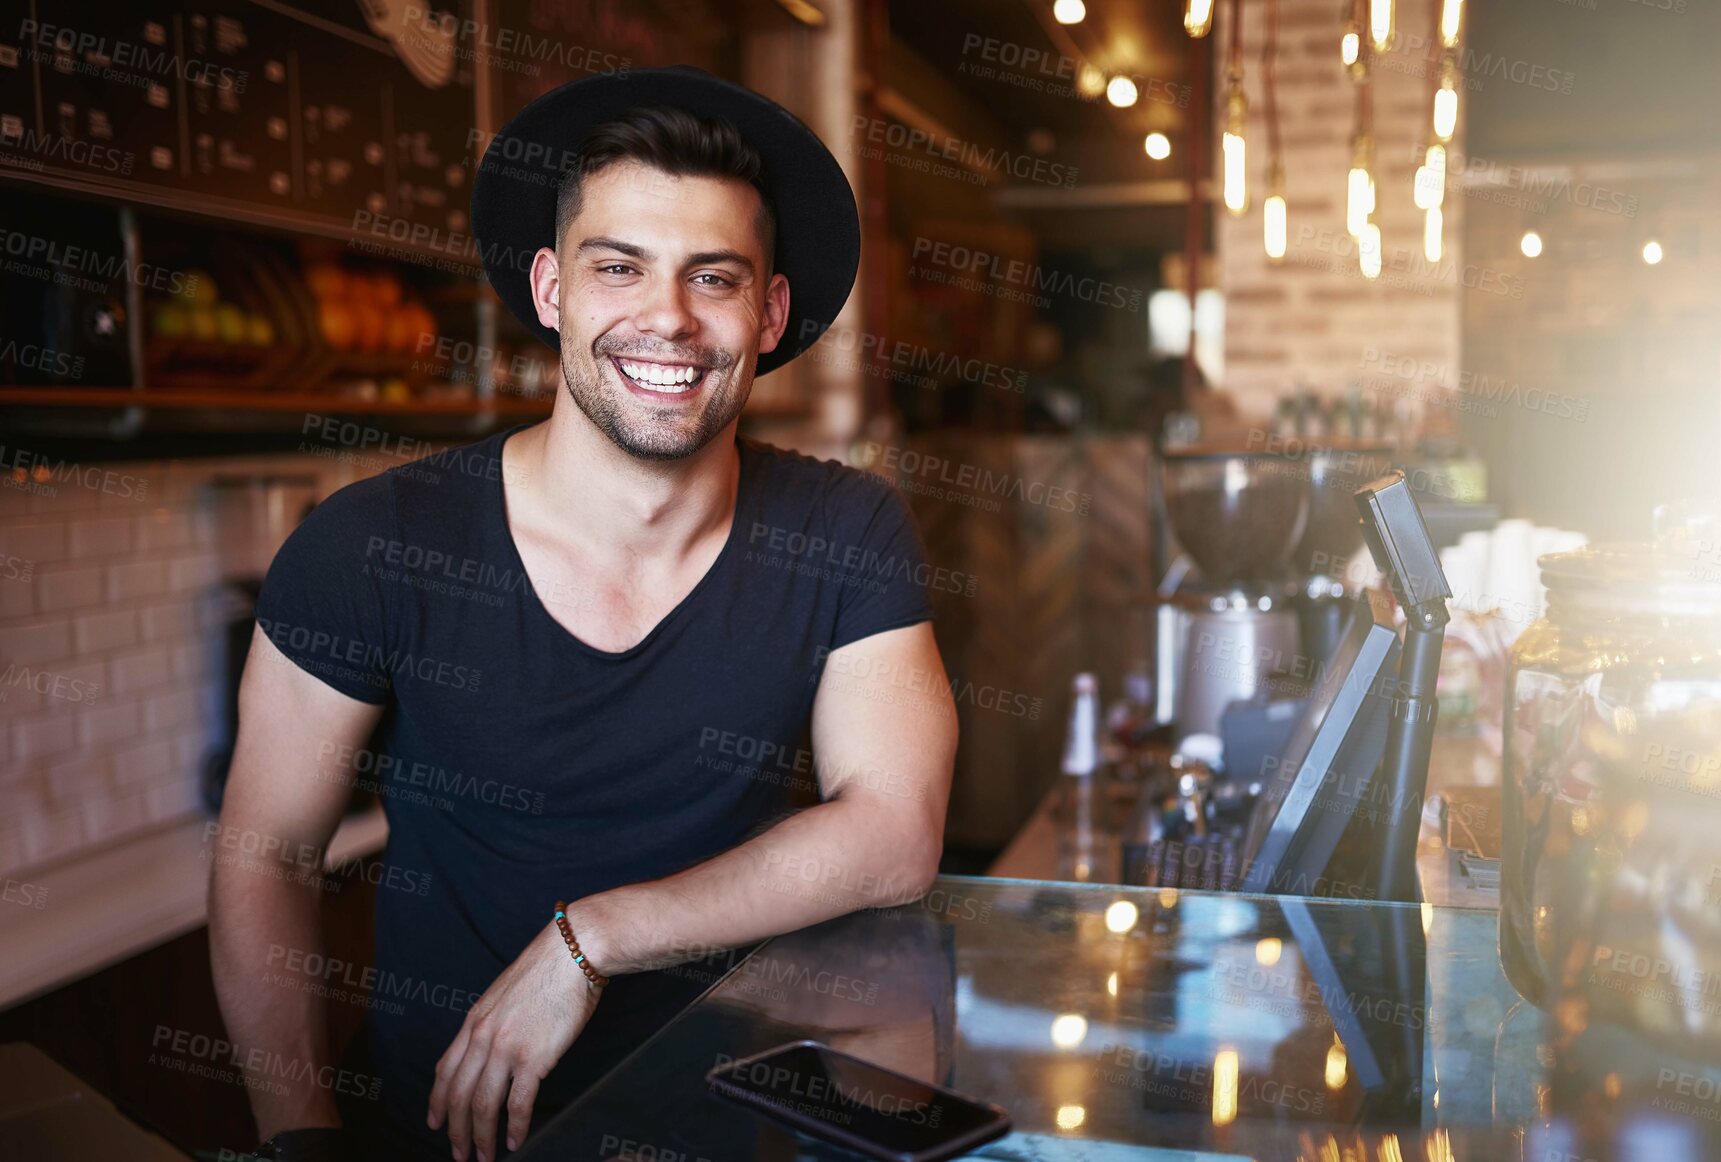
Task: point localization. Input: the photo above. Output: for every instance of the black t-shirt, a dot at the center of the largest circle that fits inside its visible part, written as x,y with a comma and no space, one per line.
518,765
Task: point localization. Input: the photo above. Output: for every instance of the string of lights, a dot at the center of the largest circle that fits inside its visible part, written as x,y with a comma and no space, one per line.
1429,187
1274,224
1366,28
1234,177
1360,191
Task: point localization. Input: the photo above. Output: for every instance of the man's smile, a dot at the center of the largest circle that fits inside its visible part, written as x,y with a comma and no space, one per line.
652,378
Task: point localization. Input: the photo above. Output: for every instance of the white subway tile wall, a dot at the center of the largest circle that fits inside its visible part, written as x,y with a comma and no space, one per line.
111,614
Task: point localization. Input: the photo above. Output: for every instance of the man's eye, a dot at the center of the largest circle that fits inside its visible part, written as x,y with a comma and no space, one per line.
615,268
716,279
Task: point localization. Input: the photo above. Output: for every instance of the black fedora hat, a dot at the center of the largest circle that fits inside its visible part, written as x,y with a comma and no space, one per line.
818,228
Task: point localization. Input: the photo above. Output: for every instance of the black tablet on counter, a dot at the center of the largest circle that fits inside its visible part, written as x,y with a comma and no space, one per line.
1324,779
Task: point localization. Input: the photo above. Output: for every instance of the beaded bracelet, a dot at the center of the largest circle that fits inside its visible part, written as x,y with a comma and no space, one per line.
598,979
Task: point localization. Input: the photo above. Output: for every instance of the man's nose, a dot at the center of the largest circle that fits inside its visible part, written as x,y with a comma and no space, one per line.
664,310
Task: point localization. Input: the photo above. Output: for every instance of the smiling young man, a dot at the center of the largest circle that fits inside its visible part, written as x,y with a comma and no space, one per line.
551,653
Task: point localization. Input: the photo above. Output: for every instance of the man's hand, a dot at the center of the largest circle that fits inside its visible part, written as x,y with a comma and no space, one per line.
517,1031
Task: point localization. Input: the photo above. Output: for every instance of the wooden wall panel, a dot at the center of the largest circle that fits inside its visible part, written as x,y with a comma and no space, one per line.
1054,532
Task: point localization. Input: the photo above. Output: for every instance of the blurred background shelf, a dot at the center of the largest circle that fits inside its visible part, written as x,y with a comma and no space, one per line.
280,401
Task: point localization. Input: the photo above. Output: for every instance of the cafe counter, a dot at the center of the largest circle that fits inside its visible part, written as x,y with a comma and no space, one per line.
1146,1023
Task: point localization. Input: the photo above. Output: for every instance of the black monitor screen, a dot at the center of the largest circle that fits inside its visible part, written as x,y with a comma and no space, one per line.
1312,788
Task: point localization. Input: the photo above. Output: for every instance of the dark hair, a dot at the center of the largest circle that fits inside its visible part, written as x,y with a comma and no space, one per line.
677,142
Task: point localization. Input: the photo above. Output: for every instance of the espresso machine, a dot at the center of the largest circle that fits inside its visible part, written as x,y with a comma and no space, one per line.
1226,619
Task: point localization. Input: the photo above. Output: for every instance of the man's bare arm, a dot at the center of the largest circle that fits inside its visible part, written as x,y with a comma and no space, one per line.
884,743
283,801
884,735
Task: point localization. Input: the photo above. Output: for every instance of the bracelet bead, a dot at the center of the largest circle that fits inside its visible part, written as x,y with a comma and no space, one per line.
597,979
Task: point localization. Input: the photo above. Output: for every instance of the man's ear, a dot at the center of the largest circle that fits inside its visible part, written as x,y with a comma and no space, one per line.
776,318
546,279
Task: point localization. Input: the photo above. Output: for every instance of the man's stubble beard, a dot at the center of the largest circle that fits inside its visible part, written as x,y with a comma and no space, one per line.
653,440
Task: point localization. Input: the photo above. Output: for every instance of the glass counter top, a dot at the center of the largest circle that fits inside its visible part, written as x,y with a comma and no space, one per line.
1157,1024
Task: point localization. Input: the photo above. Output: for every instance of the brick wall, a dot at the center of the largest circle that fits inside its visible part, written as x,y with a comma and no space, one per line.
1313,320
111,583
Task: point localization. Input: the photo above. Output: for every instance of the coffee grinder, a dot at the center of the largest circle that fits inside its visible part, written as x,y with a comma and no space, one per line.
1226,617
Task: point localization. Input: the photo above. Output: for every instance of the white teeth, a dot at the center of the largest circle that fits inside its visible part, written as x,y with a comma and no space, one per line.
674,378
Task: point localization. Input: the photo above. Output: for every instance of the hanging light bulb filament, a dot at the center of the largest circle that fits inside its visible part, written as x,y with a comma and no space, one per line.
1430,190
1273,223
1234,171
1451,15
1446,101
1359,188
1368,250
1198,17
1381,30
1235,180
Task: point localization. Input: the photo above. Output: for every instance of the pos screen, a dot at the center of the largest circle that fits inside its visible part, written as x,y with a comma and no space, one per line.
831,1095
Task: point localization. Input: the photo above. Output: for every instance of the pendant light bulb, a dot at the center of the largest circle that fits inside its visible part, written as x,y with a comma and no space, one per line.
1446,102
1451,15
1368,251
1273,217
1198,18
1359,189
1430,191
1382,30
1234,153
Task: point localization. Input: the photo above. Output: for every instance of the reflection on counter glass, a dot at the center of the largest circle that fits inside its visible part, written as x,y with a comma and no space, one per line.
834,1096
1139,1023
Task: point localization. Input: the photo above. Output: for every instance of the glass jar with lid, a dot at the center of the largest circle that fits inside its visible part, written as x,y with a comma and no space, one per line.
1611,812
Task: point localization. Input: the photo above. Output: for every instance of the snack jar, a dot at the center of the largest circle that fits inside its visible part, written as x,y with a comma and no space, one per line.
1610,888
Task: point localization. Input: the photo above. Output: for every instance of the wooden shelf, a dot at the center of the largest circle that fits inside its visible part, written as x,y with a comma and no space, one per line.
266,401
282,401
